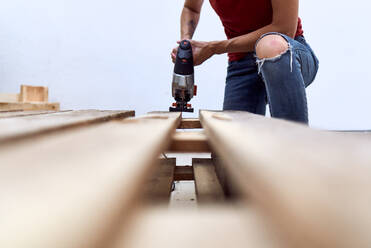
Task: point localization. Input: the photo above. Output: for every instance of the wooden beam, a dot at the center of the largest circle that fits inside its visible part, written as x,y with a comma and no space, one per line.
6,97
28,126
183,173
190,123
312,186
208,188
9,106
34,94
206,227
189,142
74,189
158,187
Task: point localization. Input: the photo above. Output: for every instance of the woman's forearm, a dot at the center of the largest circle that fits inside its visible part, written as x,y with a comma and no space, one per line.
246,43
188,23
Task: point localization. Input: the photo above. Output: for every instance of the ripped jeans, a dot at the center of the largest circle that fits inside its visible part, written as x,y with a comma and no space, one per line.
280,81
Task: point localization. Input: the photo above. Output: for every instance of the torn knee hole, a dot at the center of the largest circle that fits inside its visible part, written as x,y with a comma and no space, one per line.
271,46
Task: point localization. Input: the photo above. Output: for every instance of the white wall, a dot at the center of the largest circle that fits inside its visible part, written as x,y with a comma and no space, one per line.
116,55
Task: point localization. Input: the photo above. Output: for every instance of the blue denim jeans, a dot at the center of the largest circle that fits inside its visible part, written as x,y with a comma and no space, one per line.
280,81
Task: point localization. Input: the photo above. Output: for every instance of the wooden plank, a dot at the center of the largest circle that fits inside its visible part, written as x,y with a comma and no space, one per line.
34,94
158,187
189,142
12,114
183,173
208,227
208,188
7,97
190,123
5,106
29,126
74,189
312,186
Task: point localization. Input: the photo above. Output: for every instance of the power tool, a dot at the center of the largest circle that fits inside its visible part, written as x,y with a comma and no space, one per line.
183,86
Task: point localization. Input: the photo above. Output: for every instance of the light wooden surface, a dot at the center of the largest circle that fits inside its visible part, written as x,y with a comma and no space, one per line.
194,141
158,187
9,106
34,94
74,189
12,114
190,123
208,188
15,128
8,97
314,187
208,227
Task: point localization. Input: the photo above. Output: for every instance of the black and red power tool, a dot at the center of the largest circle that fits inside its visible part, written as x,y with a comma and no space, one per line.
183,86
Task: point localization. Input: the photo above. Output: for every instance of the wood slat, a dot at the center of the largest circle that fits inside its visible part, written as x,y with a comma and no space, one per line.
183,173
189,142
208,188
10,106
313,186
158,188
207,227
12,114
16,128
8,97
190,123
74,189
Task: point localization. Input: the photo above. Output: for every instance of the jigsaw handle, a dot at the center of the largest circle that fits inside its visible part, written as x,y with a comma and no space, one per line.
184,59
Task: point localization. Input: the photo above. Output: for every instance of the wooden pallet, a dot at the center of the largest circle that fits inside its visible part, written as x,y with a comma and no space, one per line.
94,179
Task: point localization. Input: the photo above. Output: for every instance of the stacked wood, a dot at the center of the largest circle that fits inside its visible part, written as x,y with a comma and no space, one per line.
29,98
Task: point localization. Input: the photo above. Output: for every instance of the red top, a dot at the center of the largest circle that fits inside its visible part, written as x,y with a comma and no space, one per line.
240,17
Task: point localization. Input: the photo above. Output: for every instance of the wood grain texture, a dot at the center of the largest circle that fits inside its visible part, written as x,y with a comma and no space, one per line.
73,189
26,126
313,186
34,94
189,142
206,227
5,106
208,188
158,187
190,123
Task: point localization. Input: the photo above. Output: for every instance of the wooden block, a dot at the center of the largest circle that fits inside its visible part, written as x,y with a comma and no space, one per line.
183,173
33,94
29,106
189,142
29,126
158,188
312,186
74,189
206,227
190,123
4,97
208,188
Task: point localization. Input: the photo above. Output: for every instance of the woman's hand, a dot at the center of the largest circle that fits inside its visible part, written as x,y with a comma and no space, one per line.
201,51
